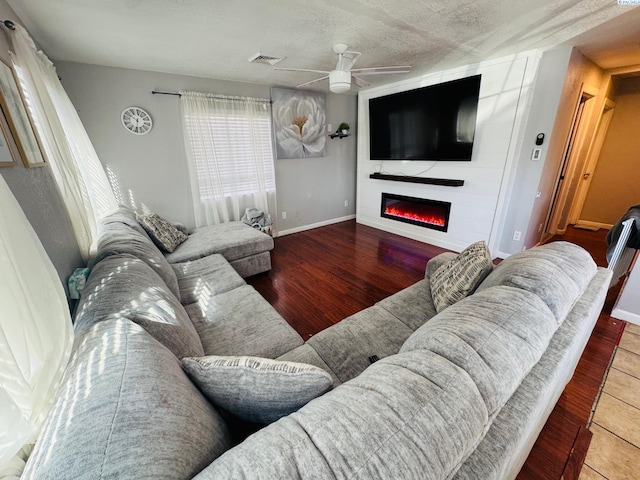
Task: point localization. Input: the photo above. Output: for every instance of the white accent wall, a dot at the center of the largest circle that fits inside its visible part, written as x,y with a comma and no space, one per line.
478,209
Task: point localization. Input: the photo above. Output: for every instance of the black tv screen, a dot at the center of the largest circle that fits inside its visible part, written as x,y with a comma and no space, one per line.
437,122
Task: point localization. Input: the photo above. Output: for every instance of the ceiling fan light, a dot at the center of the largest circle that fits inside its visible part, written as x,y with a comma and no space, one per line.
339,81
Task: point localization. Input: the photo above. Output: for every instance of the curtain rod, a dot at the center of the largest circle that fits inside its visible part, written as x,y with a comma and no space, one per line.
166,93
156,92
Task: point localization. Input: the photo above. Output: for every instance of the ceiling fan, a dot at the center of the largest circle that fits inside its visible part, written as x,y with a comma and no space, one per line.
340,79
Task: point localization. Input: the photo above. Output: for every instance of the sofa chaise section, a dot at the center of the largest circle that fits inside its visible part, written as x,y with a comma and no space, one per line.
245,248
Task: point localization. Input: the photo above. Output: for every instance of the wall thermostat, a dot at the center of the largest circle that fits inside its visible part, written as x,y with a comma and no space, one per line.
537,153
539,139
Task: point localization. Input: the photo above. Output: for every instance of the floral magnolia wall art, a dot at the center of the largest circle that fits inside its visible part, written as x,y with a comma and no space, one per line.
299,120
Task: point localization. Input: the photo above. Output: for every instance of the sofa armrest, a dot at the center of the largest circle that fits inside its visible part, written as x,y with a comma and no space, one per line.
437,261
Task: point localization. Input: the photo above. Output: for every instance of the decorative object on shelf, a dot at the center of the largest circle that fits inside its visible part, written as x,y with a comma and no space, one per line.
299,122
342,131
18,119
136,120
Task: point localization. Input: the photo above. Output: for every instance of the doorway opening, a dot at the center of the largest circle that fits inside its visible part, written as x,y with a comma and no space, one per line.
573,161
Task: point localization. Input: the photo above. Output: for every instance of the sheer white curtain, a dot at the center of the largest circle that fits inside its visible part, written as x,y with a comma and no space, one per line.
35,334
230,155
75,165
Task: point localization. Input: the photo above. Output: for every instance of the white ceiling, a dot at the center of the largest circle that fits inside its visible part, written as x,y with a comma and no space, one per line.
215,38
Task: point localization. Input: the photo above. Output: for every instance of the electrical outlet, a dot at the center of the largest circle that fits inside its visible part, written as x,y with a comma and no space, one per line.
516,235
346,203
329,128
284,215
540,227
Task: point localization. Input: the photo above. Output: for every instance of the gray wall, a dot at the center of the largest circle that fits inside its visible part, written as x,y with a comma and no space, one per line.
37,194
542,112
151,170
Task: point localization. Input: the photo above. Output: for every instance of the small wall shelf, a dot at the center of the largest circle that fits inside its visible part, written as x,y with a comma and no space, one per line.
338,135
447,182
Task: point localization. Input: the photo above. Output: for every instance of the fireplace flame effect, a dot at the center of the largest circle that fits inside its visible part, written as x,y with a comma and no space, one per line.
420,217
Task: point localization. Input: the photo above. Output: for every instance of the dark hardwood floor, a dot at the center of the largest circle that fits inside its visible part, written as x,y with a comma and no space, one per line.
321,276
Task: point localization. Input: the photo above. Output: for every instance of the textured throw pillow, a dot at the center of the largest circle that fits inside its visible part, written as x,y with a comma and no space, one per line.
459,277
163,233
258,390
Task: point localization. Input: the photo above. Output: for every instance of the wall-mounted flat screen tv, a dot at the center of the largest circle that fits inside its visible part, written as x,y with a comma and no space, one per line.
437,122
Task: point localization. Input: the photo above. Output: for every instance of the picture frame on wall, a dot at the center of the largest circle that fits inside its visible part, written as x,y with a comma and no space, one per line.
299,122
12,104
7,153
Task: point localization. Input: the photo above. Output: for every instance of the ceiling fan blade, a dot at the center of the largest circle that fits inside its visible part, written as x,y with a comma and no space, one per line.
347,61
359,82
300,70
382,70
312,81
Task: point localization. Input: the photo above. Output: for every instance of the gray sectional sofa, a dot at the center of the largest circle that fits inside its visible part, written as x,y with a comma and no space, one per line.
416,394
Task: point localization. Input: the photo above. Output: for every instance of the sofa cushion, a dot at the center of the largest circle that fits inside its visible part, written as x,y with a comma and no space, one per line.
557,272
413,305
496,336
205,277
241,322
163,233
123,286
413,415
233,240
460,276
126,409
119,238
513,432
123,215
350,346
253,264
258,390
306,354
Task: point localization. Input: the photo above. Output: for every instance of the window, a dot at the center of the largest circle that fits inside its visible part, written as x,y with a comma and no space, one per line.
241,146
230,152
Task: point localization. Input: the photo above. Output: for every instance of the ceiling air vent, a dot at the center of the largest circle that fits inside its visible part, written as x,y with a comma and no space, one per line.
266,59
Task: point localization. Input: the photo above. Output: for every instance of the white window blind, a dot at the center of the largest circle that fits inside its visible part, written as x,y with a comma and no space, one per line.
240,148
230,151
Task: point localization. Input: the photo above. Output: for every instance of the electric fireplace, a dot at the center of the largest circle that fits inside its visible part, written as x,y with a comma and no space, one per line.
417,211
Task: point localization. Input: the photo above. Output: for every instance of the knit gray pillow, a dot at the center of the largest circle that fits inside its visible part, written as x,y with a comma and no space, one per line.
163,233
459,277
258,390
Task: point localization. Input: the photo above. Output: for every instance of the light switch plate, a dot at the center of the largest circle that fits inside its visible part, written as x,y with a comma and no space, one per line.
537,153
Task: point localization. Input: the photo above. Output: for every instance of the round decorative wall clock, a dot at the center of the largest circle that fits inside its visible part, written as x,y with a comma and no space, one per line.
136,120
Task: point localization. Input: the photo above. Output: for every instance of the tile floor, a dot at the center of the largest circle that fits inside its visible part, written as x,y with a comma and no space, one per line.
614,453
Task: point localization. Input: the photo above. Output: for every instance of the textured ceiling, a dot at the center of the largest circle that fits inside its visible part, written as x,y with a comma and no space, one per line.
214,38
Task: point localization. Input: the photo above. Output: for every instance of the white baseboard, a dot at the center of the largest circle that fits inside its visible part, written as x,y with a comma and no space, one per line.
502,255
593,225
315,225
626,316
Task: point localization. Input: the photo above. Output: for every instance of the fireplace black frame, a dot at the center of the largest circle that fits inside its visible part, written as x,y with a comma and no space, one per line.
445,207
